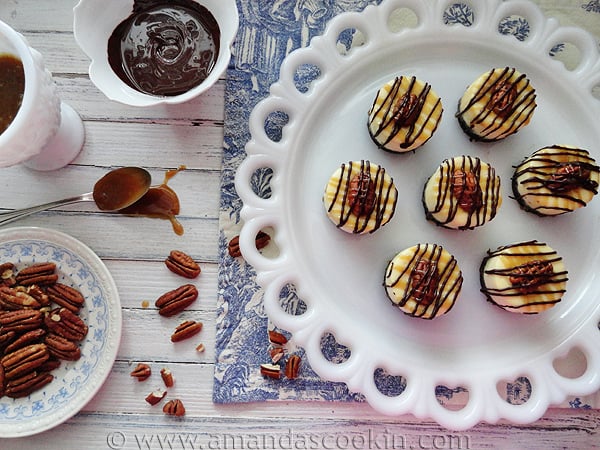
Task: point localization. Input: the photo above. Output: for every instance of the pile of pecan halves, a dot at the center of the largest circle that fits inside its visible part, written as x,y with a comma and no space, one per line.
40,326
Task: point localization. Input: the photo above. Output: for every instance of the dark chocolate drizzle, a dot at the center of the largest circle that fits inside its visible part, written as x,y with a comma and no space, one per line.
392,105
548,180
490,195
515,98
547,283
382,198
441,275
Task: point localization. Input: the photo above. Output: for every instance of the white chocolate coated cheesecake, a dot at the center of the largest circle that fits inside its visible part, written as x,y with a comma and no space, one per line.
496,105
527,277
360,197
556,180
404,115
423,281
462,194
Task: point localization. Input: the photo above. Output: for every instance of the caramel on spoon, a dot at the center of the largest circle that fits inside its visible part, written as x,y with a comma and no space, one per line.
116,190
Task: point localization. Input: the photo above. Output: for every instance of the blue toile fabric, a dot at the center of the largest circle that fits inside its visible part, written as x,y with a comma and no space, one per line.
269,31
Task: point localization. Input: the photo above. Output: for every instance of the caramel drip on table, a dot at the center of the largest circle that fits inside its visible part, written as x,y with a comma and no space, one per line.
490,195
443,290
382,196
524,96
547,166
545,284
159,202
392,100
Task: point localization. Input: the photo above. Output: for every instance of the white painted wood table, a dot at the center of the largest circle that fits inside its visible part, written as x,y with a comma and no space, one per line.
133,249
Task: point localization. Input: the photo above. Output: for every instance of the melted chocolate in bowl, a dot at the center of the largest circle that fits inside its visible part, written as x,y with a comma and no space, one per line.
165,48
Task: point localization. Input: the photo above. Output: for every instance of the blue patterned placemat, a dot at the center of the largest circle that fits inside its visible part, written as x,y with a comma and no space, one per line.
268,32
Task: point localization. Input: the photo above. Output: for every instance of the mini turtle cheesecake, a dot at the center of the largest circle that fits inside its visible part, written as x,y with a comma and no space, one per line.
360,197
556,180
423,281
462,194
404,114
496,105
527,277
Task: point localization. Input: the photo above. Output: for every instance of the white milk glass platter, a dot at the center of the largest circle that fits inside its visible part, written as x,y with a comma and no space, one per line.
476,346
75,383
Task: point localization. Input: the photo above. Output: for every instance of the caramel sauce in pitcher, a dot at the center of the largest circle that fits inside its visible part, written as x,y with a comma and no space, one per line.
165,48
12,88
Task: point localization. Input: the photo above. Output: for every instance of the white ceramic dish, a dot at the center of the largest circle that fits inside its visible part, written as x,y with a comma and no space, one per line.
94,22
339,276
76,382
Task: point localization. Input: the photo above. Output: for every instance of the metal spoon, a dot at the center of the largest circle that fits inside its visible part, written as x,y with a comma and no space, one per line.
116,190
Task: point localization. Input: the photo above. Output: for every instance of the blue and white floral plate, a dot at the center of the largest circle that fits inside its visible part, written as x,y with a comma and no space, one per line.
476,347
76,382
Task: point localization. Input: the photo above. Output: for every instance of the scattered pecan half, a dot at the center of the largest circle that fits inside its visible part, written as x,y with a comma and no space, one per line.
261,241
174,408
142,372
186,330
182,264
466,190
177,300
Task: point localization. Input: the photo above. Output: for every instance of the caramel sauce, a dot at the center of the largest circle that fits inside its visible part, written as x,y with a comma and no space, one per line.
159,202
165,48
12,87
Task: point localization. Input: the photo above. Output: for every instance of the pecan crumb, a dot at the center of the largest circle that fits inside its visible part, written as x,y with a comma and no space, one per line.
155,397
167,377
174,408
270,370
141,372
277,338
292,367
